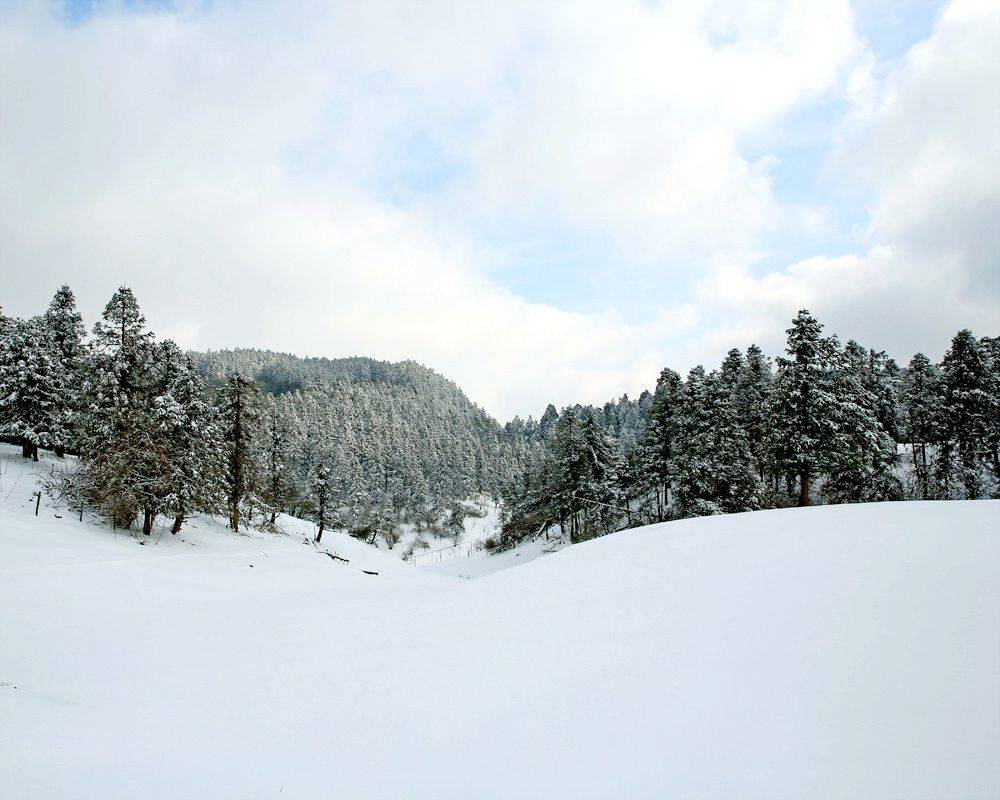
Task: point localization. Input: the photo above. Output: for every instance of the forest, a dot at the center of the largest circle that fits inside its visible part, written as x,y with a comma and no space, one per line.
369,446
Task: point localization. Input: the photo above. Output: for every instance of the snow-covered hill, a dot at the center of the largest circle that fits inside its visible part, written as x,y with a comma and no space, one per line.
826,652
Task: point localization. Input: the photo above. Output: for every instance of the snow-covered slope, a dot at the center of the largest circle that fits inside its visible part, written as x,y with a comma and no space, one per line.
828,652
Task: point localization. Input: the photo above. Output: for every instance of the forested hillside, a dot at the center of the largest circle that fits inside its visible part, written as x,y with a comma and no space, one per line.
399,441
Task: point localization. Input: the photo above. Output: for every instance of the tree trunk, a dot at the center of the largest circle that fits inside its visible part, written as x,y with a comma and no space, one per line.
60,452
319,533
274,516
804,480
178,521
34,452
923,460
26,450
147,521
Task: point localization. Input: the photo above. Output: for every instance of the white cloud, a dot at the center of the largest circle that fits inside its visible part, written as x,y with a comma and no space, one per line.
927,144
228,163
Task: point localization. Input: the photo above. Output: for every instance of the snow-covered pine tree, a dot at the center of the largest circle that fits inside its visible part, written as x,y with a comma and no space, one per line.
690,466
661,437
966,407
547,424
116,424
602,467
921,396
991,349
804,418
186,425
322,493
32,389
731,371
753,405
862,465
455,524
568,470
736,483
238,406
65,333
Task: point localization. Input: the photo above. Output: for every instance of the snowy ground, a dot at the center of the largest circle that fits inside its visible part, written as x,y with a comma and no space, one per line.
836,652
482,521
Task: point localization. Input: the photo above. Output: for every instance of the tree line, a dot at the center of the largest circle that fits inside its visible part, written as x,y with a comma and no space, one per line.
824,423
369,446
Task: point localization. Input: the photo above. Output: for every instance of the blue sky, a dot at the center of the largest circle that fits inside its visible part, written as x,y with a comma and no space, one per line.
546,202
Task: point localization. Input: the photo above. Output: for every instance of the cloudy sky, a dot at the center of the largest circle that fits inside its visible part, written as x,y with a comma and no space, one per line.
545,201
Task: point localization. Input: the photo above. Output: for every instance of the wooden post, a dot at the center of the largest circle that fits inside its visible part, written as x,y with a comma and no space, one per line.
38,500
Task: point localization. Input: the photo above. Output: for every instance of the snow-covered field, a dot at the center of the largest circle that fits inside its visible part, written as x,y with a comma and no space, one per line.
837,652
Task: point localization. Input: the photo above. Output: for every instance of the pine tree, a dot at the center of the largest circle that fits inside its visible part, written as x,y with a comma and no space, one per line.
568,470
65,332
602,466
921,414
991,349
186,425
455,525
661,437
864,454
731,372
322,493
118,442
238,407
32,389
691,462
753,405
736,482
547,424
966,407
804,410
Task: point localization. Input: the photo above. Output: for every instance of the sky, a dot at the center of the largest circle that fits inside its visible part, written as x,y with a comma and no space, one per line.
544,201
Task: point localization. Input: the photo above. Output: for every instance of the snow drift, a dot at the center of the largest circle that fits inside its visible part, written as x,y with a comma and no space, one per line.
830,652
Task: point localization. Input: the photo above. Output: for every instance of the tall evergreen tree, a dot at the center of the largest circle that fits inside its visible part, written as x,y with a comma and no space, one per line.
239,415
186,424
921,414
804,410
991,349
118,441
864,454
322,491
661,438
65,332
753,404
32,389
966,407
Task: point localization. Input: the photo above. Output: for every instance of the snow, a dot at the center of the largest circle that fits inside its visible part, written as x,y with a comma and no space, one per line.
477,563
833,652
482,521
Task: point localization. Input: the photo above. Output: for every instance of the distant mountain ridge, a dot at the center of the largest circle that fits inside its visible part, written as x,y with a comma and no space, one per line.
279,372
